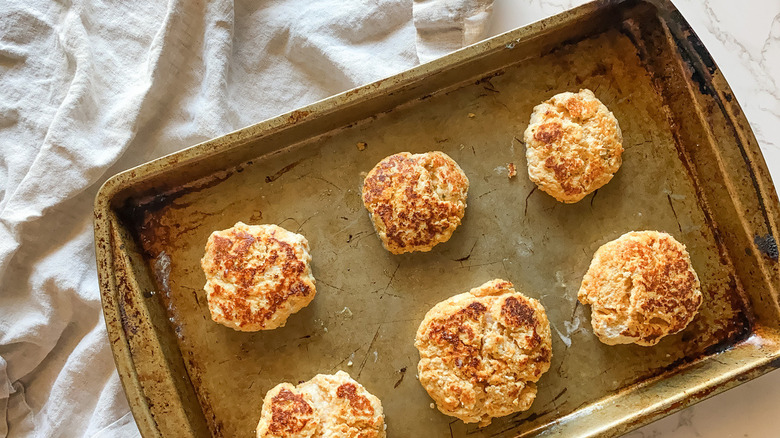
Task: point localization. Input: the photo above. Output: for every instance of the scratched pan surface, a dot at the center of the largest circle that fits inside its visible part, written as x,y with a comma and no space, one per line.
691,168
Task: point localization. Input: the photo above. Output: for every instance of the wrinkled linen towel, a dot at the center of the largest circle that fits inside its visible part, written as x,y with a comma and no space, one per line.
89,88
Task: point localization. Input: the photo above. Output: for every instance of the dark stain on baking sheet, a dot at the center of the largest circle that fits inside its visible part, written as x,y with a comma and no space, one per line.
282,171
702,68
127,312
402,373
738,326
142,214
698,76
767,245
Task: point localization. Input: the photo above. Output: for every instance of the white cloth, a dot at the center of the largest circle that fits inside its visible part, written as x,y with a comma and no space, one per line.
447,25
89,88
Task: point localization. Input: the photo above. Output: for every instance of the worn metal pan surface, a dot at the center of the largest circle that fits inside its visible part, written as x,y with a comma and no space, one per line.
691,168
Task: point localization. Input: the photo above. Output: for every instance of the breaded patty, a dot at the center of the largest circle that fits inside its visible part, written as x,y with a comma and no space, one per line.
256,276
482,351
641,287
573,145
325,406
415,201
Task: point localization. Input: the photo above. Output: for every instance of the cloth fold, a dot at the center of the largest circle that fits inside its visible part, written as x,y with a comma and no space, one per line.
89,88
447,25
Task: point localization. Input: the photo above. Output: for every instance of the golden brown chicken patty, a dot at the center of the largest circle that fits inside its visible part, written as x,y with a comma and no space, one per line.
256,276
482,351
573,145
415,201
329,406
641,287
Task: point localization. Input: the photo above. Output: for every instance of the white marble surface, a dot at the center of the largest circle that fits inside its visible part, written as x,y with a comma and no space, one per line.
744,40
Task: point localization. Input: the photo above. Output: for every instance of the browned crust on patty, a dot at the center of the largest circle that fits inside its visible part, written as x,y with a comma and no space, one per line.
290,413
256,276
415,201
573,145
641,287
360,404
327,405
481,352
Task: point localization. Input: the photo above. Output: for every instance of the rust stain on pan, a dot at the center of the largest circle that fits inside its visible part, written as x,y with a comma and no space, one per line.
297,116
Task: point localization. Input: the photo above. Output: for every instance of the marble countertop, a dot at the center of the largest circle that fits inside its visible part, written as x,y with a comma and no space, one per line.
744,40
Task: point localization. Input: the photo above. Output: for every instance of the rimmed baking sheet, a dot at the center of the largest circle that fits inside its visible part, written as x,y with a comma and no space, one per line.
304,170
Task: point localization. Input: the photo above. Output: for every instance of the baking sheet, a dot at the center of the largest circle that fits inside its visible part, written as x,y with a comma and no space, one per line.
370,302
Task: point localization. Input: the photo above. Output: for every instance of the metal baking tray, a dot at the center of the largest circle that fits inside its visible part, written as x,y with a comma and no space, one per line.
691,167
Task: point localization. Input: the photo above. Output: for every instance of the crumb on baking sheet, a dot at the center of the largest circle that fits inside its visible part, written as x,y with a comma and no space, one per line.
512,170
361,145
